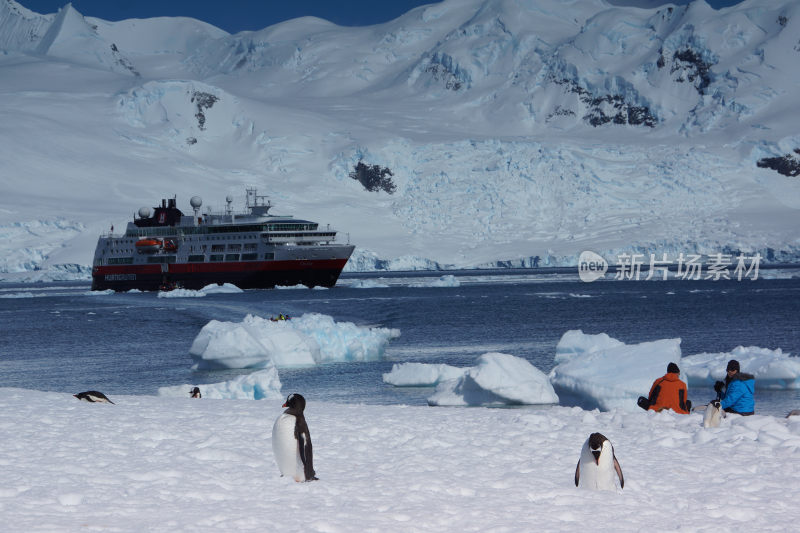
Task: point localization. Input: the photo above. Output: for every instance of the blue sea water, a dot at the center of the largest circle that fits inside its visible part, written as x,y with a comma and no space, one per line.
58,337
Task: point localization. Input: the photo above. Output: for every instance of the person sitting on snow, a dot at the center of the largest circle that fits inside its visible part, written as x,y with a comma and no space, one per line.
736,392
669,392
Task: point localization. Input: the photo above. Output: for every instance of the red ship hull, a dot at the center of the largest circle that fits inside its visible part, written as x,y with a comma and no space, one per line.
243,274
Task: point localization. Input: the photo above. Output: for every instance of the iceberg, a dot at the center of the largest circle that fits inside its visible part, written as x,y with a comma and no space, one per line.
597,371
421,374
497,379
576,342
260,385
313,338
773,369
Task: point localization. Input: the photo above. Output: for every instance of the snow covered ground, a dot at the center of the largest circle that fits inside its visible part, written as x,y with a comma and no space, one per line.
176,464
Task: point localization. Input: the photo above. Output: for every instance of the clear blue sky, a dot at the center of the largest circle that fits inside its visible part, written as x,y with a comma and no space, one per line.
240,15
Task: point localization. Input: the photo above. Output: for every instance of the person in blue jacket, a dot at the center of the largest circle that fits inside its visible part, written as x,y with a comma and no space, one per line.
736,393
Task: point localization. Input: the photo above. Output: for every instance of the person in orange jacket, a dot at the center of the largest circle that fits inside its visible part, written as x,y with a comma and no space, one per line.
669,392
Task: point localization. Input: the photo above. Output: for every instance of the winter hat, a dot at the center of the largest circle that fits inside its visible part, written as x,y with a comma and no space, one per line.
672,368
733,364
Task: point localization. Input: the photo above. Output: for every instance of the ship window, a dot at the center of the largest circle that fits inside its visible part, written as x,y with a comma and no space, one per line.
234,247
120,260
161,259
251,246
269,256
249,257
217,247
231,257
196,258
215,257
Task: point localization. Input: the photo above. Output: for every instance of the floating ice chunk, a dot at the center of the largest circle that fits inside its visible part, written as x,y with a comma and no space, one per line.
597,371
259,385
448,280
100,293
213,288
576,342
421,374
367,284
307,340
773,369
225,288
181,293
497,379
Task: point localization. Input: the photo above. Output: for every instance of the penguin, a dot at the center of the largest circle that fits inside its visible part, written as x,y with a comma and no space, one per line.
291,441
712,415
597,464
195,393
93,396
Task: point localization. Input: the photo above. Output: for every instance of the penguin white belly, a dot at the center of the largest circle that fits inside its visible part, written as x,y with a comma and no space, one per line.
712,416
600,475
284,448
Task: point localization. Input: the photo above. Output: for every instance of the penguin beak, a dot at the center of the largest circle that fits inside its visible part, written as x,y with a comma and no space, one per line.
284,405
596,454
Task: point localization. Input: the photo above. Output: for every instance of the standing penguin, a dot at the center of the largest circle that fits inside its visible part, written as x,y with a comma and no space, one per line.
291,441
597,464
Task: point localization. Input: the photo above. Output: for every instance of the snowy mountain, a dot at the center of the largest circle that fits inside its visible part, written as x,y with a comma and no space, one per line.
505,129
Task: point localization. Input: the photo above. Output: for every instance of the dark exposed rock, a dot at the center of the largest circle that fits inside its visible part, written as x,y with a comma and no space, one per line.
623,112
122,60
688,66
445,69
203,101
561,112
788,165
373,177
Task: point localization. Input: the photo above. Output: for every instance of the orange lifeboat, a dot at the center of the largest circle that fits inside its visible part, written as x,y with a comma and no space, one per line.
148,246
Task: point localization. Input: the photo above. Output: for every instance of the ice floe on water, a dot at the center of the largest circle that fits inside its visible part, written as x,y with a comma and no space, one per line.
226,288
421,374
592,371
367,284
18,295
447,280
772,369
259,385
496,379
598,371
310,339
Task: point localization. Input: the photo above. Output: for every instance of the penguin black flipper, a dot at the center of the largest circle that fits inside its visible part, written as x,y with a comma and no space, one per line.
306,455
578,473
619,473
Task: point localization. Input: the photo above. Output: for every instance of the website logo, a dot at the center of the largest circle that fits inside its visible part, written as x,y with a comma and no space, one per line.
591,266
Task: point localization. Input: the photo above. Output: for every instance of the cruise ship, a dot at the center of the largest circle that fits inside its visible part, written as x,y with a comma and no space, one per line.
163,249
